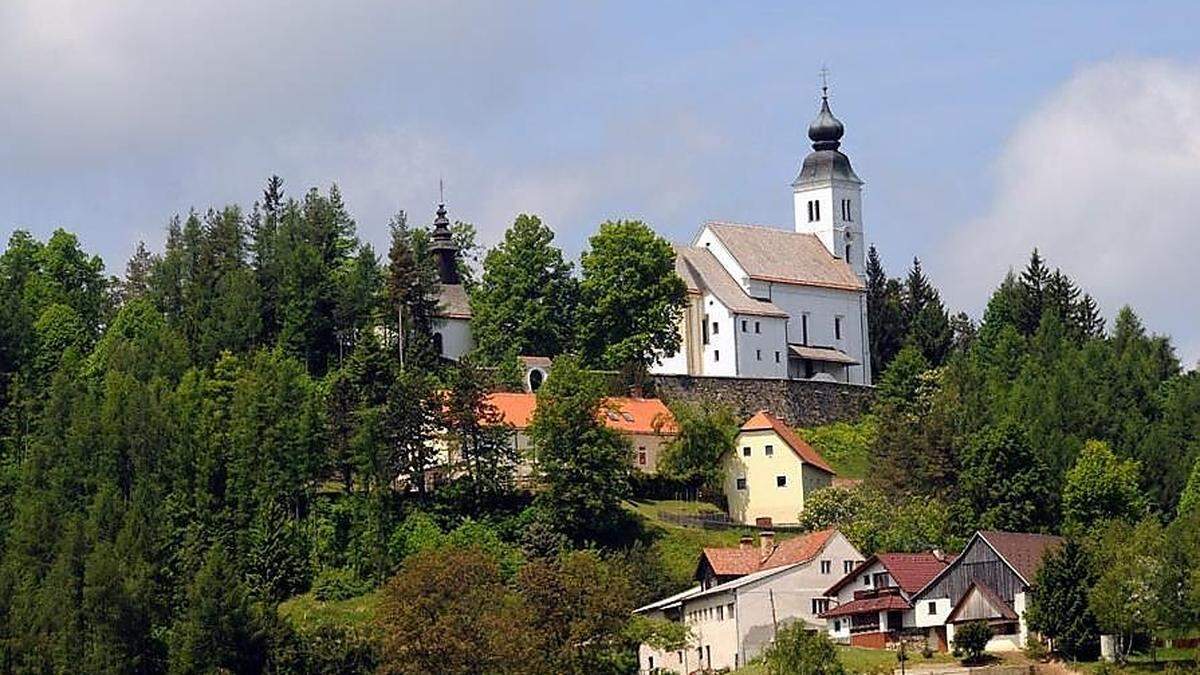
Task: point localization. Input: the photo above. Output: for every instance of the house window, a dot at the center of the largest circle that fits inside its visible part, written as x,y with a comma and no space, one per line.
746,451
777,356
837,327
866,580
642,456
804,328
826,566
780,481
837,625
932,607
769,451
882,580
820,605
744,324
847,566
757,327
741,483
758,355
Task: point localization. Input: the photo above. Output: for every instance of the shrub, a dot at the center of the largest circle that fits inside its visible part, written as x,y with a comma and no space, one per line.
798,651
970,639
338,584
1035,648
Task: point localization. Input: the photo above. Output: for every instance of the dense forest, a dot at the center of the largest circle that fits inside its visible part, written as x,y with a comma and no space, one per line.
234,421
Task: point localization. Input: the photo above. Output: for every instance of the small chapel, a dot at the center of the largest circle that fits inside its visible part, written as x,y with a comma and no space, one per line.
768,302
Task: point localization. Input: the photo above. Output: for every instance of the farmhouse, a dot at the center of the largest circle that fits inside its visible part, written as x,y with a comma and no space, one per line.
988,581
872,605
771,471
743,594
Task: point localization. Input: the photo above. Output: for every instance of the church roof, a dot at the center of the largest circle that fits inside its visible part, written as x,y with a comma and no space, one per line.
826,162
772,254
453,302
701,271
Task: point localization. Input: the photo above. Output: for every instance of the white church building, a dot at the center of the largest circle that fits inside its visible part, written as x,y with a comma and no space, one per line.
764,302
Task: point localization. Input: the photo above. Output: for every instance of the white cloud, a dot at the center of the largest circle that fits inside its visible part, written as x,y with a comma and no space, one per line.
1103,177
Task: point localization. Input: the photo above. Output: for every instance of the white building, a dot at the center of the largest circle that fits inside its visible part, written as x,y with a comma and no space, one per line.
764,302
744,594
872,605
452,320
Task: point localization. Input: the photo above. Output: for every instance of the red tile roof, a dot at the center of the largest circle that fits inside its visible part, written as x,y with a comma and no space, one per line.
765,421
628,415
742,561
910,571
879,604
1023,551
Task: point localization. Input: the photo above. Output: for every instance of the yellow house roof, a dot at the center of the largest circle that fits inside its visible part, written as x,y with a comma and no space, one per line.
765,421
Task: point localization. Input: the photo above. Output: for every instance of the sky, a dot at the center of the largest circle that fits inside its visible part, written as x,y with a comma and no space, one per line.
982,130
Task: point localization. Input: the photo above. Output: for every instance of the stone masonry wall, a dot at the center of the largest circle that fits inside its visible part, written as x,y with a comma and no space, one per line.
798,402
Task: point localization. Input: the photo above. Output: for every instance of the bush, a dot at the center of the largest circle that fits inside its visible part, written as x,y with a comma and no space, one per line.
1035,648
970,639
797,651
338,584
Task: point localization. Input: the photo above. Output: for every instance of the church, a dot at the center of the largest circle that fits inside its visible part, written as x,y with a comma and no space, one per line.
765,302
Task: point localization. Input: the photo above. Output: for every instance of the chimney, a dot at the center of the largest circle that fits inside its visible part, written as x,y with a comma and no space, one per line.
746,543
766,543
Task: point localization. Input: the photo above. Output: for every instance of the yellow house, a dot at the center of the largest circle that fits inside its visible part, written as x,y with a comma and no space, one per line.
771,471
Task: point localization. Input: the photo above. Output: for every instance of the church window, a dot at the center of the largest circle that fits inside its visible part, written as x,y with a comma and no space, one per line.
810,211
716,355
837,328
804,328
758,355
847,211
744,323
716,328
817,209
847,252
704,328
777,356
757,327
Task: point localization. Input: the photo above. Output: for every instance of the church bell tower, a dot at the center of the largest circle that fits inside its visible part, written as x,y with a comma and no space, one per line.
827,195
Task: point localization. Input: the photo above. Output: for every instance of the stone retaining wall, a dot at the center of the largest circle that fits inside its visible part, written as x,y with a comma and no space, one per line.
798,402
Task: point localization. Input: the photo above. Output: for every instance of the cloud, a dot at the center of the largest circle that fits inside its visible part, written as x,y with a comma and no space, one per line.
1103,177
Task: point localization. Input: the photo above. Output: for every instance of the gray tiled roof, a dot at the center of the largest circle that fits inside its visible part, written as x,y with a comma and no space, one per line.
453,302
701,271
771,254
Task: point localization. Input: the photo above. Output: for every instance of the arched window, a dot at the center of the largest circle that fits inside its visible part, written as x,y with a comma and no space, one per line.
437,344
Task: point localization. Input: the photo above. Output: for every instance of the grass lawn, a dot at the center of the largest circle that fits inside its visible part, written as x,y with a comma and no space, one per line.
305,611
859,660
847,446
1142,663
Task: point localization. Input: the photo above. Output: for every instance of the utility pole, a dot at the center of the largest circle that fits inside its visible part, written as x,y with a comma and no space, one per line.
774,620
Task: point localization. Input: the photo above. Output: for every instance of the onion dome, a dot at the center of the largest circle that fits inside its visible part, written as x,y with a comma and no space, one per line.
443,248
826,131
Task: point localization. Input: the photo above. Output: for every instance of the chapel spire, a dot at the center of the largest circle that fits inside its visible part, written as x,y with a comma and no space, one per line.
442,246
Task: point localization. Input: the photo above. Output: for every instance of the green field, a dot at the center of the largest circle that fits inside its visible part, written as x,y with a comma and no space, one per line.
305,611
859,660
847,446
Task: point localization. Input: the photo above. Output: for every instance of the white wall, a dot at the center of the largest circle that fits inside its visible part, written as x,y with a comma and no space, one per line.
793,592
758,343
456,337
924,619
822,305
832,228
719,356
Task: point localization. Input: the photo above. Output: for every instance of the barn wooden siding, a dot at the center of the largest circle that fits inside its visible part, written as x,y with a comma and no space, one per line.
978,563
